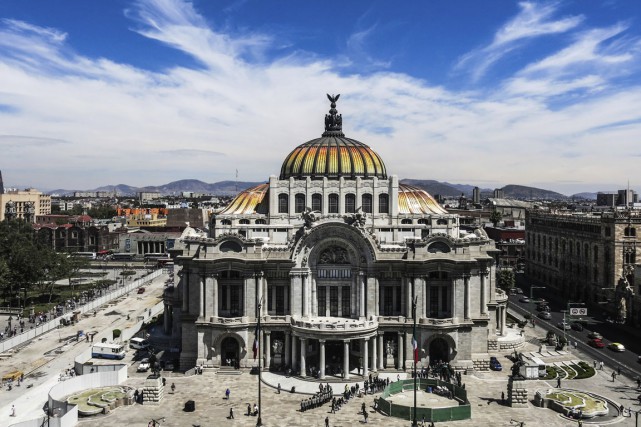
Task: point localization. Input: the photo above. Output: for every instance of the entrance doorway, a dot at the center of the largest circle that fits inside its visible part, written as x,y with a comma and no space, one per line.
439,351
230,352
333,357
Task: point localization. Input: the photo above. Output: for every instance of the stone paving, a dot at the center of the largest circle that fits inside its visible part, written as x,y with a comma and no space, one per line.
484,392
208,390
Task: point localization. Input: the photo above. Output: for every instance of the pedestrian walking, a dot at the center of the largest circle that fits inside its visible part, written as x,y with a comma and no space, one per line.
278,388
558,382
326,421
365,416
601,365
173,387
227,393
249,409
231,413
13,411
502,397
363,407
614,376
594,364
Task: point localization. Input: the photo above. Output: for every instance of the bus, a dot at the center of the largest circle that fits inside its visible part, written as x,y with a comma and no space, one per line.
86,255
156,256
108,351
122,256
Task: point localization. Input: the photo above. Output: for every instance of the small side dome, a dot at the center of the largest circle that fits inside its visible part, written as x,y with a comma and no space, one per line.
414,200
248,202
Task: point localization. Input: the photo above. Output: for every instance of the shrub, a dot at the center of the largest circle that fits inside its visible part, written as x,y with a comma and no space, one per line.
116,333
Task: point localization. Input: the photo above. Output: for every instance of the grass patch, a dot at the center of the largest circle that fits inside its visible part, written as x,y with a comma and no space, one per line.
584,370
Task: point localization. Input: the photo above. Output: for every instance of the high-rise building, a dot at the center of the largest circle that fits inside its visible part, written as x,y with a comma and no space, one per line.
476,196
24,204
331,255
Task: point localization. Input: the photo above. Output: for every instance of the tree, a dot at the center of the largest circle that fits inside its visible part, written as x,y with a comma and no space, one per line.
505,279
495,217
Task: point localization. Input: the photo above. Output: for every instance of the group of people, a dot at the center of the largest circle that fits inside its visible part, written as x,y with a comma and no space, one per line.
323,396
252,411
375,384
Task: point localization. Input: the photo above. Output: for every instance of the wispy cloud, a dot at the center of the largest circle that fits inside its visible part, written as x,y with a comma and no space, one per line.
534,20
235,112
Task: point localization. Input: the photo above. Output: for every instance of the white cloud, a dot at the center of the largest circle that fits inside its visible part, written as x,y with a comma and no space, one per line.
533,20
126,125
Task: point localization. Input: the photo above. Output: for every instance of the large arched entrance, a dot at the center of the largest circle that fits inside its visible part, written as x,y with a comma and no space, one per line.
230,352
439,351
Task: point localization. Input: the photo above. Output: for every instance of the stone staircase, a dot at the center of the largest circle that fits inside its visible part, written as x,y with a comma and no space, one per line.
228,370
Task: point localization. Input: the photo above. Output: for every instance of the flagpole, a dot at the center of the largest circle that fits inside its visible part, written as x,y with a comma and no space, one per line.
414,423
259,421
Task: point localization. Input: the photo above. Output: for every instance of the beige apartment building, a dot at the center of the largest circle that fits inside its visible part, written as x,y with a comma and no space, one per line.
22,204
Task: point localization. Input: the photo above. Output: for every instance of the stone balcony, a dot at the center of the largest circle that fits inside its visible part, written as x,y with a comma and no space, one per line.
334,327
396,320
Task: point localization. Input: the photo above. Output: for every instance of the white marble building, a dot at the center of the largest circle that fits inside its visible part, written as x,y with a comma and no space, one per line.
337,251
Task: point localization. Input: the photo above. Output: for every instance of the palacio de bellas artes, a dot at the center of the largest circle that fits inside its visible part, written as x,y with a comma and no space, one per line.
331,256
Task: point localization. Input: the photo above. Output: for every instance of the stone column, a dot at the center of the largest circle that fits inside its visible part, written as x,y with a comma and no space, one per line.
185,284
483,275
466,296
365,347
423,310
403,298
303,350
214,280
409,297
259,294
399,351
263,283
361,287
322,358
381,355
503,319
305,296
374,354
346,359
201,296
294,350
268,349
314,297
288,350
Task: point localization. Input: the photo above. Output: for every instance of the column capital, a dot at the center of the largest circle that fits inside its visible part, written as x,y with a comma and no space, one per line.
268,333
259,274
322,341
347,341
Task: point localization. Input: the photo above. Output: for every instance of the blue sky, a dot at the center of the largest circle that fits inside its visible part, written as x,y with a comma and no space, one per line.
489,93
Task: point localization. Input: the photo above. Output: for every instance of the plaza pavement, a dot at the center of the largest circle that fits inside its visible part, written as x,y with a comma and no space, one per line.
44,358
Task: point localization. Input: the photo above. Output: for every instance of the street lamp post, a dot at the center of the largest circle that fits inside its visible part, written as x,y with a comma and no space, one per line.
259,421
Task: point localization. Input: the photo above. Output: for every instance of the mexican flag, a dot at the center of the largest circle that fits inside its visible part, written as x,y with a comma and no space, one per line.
255,346
415,346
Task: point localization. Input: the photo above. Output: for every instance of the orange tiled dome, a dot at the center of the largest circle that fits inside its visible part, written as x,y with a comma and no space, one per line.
333,155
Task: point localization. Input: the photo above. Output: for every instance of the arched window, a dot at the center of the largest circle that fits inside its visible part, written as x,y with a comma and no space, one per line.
332,201
243,221
422,221
225,222
350,203
366,204
438,247
299,203
383,203
230,246
261,221
406,221
283,203
317,202
441,222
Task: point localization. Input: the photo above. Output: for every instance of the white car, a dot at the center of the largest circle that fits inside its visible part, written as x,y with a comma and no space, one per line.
563,325
144,365
615,346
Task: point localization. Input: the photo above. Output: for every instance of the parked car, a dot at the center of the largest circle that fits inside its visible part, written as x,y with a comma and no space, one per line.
615,346
596,335
596,342
576,326
562,325
524,299
143,366
495,365
545,315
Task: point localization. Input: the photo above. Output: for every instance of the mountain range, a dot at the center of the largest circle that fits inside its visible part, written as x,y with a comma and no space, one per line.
226,188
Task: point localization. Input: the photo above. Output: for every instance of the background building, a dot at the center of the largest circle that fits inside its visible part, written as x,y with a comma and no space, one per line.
584,256
24,204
